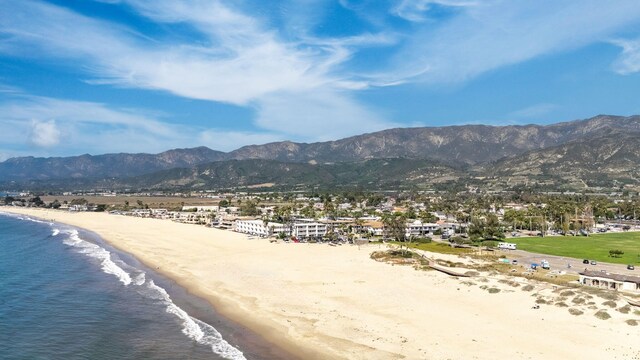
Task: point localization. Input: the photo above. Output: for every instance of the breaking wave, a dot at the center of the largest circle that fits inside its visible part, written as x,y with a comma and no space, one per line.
193,328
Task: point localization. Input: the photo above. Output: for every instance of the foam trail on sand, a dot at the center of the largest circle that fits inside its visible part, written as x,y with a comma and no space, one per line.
95,251
197,330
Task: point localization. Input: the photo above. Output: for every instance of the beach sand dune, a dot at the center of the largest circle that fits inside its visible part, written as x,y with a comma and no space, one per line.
323,302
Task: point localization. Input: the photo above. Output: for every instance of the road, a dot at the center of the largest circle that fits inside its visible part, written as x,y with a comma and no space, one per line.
525,258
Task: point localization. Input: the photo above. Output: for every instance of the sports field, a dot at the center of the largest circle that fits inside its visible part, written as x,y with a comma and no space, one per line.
594,247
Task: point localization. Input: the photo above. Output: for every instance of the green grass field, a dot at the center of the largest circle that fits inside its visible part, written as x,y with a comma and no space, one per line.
594,247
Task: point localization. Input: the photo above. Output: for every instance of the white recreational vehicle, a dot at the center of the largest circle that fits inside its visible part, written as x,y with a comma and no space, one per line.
506,246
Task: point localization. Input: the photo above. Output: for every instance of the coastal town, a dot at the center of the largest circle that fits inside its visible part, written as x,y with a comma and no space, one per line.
562,261
491,222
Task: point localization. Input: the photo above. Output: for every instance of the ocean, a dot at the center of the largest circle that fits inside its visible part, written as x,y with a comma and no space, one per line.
65,294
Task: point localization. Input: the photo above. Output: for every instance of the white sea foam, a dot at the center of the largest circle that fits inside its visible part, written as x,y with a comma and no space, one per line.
34,220
55,232
197,330
139,279
97,252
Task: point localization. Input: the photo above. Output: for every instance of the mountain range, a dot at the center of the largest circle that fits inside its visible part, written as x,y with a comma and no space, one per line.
600,152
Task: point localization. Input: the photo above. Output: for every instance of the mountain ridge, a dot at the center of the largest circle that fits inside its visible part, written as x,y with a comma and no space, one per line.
459,147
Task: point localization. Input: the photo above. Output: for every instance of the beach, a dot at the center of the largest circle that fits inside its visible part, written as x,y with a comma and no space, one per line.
322,302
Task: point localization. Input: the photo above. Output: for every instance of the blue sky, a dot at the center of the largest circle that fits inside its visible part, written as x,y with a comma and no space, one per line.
102,76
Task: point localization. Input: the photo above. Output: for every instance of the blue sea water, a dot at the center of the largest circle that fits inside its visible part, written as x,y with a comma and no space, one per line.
66,295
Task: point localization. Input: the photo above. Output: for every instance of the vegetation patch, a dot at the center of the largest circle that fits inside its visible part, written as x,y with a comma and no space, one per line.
437,248
602,315
603,294
561,304
576,312
399,257
625,309
578,300
528,288
567,293
609,303
493,290
632,322
541,301
509,282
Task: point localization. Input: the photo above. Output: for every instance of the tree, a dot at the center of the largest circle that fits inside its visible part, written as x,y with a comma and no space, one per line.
249,208
395,225
616,253
55,204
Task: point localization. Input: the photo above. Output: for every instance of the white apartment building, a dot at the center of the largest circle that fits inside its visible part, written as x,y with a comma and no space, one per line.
258,227
309,229
418,228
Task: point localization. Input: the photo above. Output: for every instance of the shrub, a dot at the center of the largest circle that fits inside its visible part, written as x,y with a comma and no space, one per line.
575,312
602,315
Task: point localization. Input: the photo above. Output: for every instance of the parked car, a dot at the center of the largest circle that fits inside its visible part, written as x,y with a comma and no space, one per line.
514,262
593,262
630,267
585,261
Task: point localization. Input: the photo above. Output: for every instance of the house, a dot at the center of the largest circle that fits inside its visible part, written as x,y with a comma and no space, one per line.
605,280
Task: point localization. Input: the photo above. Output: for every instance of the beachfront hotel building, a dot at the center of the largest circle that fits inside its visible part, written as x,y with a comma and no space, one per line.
259,228
309,230
610,281
418,228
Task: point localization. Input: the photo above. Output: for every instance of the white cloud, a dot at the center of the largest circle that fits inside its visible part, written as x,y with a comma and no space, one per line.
534,111
317,115
497,33
239,59
416,10
629,60
81,127
300,84
44,133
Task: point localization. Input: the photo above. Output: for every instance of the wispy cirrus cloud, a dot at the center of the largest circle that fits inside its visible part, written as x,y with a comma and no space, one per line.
417,10
533,112
492,34
239,61
629,61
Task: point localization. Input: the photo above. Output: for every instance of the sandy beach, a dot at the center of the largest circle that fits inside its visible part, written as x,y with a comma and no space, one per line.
324,302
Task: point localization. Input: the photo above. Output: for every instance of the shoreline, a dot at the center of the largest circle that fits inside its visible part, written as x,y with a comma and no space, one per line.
259,337
318,301
198,307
